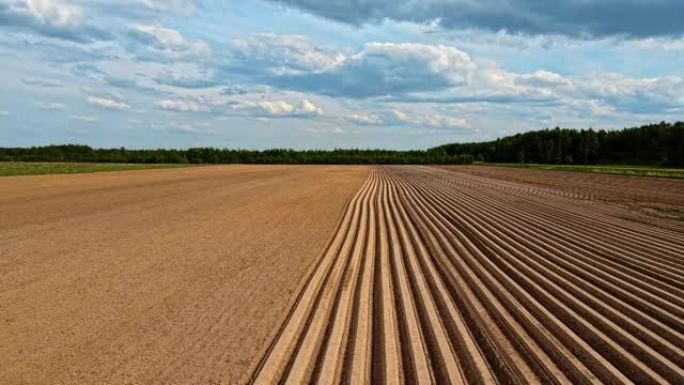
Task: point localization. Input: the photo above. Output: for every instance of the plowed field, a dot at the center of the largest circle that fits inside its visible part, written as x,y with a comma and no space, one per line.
442,276
385,275
157,277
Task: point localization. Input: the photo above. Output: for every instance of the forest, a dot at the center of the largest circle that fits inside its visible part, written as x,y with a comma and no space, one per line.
659,144
80,153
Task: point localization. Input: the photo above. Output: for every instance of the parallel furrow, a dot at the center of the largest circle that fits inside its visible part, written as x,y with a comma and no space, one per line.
436,276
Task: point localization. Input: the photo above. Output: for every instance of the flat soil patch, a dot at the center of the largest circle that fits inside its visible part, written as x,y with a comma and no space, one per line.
176,276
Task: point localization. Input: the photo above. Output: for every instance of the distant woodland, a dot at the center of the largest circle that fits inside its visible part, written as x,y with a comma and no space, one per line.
78,153
659,144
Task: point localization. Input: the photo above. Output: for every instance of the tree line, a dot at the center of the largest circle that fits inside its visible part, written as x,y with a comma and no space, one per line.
81,153
659,144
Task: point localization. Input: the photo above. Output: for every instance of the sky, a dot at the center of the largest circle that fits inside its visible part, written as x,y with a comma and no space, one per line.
395,74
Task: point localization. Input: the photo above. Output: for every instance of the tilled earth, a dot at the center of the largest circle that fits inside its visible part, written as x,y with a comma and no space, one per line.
157,277
385,275
445,276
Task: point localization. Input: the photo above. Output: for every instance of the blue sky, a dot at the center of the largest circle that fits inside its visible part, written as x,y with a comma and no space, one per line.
394,74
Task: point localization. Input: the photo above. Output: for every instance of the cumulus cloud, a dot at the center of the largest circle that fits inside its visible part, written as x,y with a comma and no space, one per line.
55,18
379,69
569,17
283,54
181,105
108,103
309,108
444,81
646,95
156,41
277,108
413,72
4,113
51,11
82,21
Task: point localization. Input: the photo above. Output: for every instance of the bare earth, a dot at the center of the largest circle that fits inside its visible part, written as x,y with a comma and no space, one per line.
449,277
297,275
157,277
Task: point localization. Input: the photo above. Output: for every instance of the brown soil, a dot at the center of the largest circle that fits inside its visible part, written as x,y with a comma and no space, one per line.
644,196
157,277
441,276
263,274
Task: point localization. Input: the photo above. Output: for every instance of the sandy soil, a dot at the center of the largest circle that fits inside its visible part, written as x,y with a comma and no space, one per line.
157,277
442,276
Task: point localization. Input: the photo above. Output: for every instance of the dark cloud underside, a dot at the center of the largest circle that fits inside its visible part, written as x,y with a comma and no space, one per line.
634,18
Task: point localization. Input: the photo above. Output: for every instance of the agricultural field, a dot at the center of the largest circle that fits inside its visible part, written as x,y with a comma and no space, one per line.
665,172
44,168
342,274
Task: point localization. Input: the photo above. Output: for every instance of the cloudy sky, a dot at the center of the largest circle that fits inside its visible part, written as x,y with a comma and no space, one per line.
332,73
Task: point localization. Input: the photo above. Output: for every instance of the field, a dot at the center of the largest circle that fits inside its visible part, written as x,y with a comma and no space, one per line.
601,169
177,276
307,274
44,168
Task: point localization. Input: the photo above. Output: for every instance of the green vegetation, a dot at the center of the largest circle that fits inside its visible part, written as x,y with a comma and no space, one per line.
77,153
655,145
660,145
603,169
39,168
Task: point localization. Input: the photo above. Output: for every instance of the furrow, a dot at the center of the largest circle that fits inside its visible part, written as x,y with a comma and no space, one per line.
415,359
278,356
436,276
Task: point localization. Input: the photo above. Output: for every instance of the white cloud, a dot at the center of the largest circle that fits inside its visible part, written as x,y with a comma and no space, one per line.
655,44
309,108
379,69
108,103
366,119
284,54
54,11
437,73
666,90
42,82
349,84
185,75
591,107
543,79
401,115
85,118
60,19
278,108
429,120
167,42
4,113
47,12
449,62
52,106
180,105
